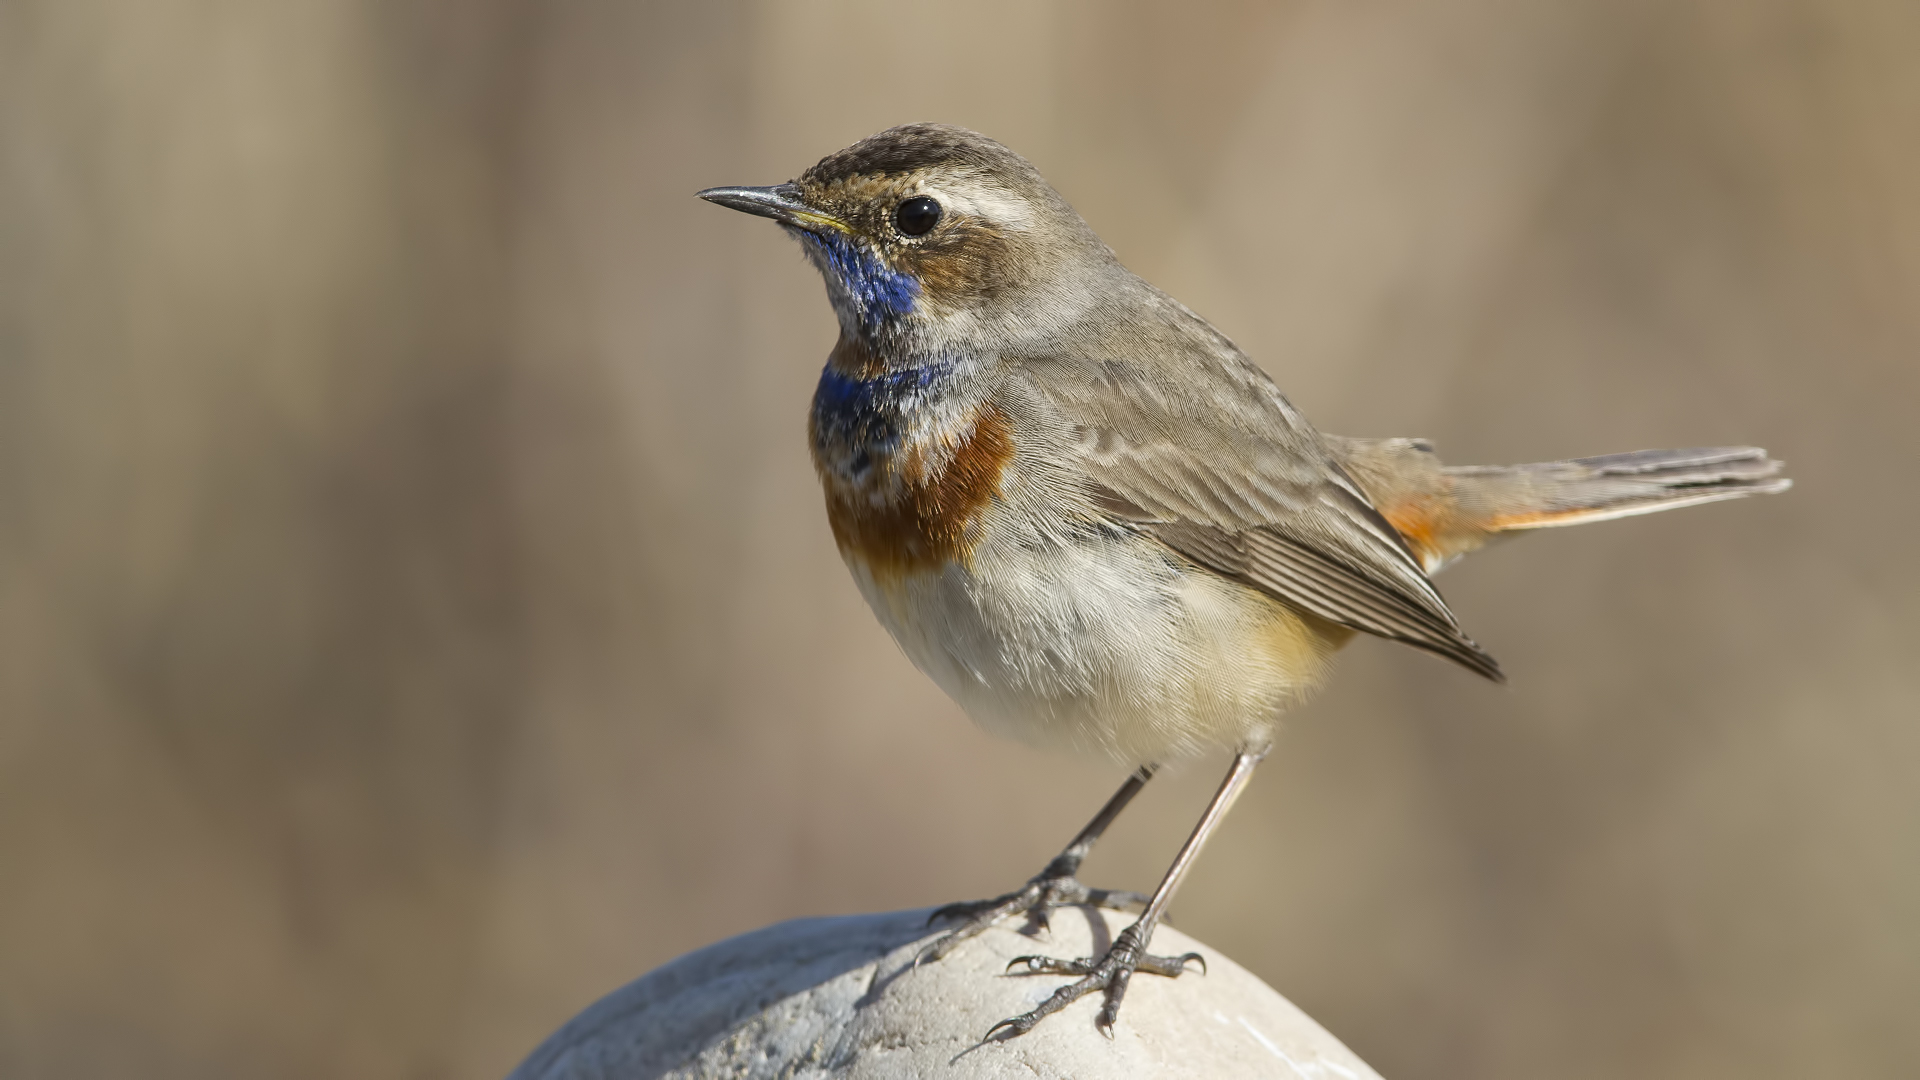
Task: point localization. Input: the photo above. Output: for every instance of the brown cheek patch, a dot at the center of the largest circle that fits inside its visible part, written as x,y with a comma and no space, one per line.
969,260
932,521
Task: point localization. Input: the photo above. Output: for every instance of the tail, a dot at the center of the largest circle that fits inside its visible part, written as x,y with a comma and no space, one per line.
1444,512
1555,493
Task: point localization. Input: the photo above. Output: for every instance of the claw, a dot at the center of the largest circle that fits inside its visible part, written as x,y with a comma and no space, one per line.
1011,1023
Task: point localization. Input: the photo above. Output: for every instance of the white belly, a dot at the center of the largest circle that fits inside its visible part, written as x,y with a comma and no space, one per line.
1105,643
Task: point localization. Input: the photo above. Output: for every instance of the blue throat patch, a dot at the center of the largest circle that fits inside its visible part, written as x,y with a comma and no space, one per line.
856,419
880,292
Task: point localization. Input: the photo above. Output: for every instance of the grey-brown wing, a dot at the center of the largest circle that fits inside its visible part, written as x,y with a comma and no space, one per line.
1222,469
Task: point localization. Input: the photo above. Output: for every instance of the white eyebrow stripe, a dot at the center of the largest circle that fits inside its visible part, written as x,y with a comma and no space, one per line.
985,202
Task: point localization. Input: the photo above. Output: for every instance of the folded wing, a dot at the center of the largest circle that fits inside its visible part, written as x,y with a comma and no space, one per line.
1219,467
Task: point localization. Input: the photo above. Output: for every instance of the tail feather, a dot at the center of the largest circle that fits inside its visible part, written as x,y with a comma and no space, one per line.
1443,512
1556,493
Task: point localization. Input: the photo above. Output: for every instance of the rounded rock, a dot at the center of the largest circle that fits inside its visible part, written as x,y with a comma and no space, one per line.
840,997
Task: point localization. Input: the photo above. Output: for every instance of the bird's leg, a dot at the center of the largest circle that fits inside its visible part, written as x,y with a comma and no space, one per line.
1111,972
1055,886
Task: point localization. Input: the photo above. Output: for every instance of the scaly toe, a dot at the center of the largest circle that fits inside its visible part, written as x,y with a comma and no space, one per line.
1036,900
1047,965
1171,966
967,909
1109,974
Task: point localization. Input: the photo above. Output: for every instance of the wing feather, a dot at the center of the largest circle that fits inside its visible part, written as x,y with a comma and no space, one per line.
1223,470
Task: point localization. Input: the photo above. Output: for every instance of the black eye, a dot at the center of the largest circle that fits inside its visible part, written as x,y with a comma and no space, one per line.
917,215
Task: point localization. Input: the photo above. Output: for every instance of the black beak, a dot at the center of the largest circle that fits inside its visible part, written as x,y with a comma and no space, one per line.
780,202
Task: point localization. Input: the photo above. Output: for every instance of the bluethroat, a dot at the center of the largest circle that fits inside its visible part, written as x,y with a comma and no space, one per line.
1094,522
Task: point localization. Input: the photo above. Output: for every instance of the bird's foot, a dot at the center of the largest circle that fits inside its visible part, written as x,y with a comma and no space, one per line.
1110,973
1054,887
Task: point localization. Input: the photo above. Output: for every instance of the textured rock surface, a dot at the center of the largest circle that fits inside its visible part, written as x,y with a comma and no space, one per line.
839,997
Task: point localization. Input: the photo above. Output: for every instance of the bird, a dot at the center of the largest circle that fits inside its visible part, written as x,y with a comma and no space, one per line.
1096,523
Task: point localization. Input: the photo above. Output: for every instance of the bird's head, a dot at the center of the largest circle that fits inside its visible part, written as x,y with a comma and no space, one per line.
930,235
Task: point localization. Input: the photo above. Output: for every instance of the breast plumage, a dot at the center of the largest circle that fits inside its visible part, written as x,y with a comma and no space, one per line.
909,468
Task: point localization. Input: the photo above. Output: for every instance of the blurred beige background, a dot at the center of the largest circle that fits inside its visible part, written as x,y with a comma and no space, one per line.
417,618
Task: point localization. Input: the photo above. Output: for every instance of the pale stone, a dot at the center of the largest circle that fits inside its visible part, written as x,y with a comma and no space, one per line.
840,997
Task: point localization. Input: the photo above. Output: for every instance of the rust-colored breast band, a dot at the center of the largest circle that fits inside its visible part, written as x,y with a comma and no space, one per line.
934,518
